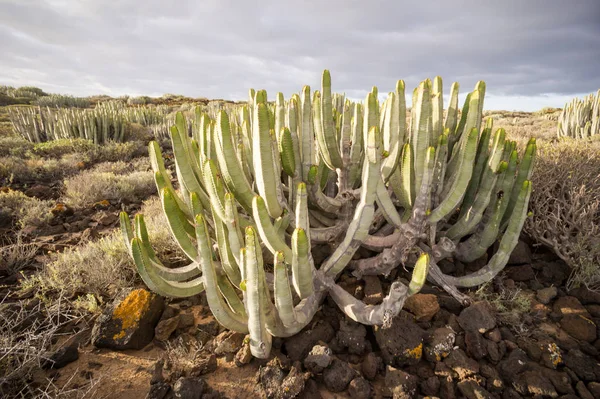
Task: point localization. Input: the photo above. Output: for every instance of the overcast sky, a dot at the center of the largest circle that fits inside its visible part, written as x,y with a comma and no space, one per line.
531,53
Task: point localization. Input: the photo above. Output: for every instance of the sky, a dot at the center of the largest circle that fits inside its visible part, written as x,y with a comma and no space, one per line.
530,53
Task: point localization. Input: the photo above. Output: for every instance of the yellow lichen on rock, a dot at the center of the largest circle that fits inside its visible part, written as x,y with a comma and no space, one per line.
131,309
415,353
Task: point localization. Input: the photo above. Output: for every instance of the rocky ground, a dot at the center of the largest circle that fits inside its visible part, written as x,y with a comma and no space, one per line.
146,346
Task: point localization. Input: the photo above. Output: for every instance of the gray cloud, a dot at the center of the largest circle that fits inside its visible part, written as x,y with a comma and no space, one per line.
544,51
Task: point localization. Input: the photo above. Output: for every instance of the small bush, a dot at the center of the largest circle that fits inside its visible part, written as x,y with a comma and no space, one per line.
62,101
58,148
16,255
15,146
23,210
89,187
566,207
103,267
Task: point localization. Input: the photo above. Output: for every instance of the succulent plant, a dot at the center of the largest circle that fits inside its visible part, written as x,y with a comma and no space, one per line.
265,187
580,118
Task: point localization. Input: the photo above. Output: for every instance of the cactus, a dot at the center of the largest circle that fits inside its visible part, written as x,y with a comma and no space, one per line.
580,119
339,174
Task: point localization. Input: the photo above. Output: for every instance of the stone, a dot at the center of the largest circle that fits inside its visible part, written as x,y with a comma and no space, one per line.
546,295
371,365
165,328
359,388
533,383
520,255
423,306
594,388
129,323
293,383
228,342
189,388
522,273
352,336
493,380
401,344
472,390
583,392
585,367
476,344
430,386
204,365
579,327
373,292
439,344
569,305
62,357
399,384
516,363
270,379
560,380
461,364
478,317
158,390
319,357
337,376
243,356
586,296
298,346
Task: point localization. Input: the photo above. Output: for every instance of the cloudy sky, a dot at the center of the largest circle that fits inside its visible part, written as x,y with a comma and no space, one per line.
531,53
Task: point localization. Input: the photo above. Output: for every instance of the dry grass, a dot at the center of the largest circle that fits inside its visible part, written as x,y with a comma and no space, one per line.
521,126
89,187
566,207
99,269
16,255
23,210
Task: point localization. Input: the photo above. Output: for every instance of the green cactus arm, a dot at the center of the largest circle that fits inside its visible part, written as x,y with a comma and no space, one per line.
215,188
316,196
439,173
230,295
231,171
180,228
307,136
328,142
358,229
370,114
384,202
507,244
469,120
421,131
466,223
391,137
437,110
228,261
219,308
234,232
419,274
482,159
158,284
279,113
189,176
254,296
286,152
356,148
267,231
266,176
456,191
302,267
284,302
524,174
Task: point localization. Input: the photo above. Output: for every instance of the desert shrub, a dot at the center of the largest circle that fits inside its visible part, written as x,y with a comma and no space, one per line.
90,186
566,207
120,167
23,210
62,101
14,168
509,303
58,148
103,267
15,255
13,145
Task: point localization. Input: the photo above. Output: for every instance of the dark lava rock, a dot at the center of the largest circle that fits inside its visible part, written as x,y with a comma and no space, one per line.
129,323
158,390
373,291
534,383
520,273
399,384
270,378
337,376
430,386
371,365
439,344
319,357
352,336
472,390
62,357
520,255
423,306
579,327
402,343
586,296
298,346
510,367
476,344
462,364
359,388
477,317
293,383
165,328
585,367
189,388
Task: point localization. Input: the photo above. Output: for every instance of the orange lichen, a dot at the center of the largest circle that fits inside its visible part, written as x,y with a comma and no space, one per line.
415,353
131,310
555,356
102,203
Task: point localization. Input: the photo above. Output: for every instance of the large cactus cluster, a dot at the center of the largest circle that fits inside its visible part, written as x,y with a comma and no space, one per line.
99,125
266,187
580,119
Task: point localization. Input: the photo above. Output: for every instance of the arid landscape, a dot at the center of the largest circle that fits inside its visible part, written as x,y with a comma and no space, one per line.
78,320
